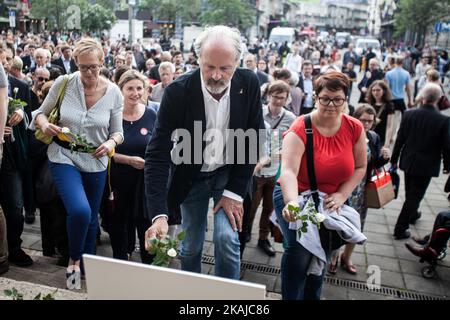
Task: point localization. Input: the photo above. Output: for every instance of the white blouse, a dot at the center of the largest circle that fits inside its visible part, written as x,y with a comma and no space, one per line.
97,124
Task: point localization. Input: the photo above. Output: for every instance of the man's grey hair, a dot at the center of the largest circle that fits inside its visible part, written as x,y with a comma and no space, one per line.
431,93
166,65
219,33
294,79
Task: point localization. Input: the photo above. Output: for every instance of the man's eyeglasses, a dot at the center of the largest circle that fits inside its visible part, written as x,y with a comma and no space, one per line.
336,101
43,79
278,98
93,67
366,121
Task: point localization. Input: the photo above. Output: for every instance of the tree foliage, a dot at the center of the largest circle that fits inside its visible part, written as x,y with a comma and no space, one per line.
234,13
418,15
58,14
97,18
168,9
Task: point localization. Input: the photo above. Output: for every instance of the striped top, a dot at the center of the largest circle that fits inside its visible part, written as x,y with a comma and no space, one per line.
97,124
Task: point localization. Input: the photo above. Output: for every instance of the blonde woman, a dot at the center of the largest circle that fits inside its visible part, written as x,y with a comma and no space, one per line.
92,108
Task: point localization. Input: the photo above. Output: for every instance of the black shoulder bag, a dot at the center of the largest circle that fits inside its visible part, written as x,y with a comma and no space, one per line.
329,239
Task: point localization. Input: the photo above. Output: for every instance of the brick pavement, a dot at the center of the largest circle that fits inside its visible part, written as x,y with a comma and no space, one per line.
400,270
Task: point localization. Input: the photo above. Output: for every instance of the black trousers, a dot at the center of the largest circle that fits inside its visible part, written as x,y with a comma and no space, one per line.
415,188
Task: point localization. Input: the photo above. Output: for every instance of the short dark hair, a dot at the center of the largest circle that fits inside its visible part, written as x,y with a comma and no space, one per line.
307,63
366,108
119,72
278,86
333,81
282,74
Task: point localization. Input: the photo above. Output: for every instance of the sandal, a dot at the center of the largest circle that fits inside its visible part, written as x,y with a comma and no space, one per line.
350,268
332,267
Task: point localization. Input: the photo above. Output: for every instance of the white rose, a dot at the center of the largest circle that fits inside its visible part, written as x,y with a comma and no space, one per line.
172,253
16,90
65,130
320,217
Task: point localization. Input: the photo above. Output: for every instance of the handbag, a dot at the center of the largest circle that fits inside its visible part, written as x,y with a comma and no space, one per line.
379,190
447,185
53,117
329,239
443,103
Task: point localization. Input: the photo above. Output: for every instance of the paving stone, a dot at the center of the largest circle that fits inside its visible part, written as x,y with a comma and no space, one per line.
392,279
411,267
376,227
380,238
330,292
30,240
430,286
443,272
375,212
446,287
381,219
264,279
381,250
276,260
385,263
255,255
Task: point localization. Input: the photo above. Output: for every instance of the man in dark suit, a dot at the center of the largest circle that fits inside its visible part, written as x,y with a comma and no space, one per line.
250,63
13,163
208,103
374,73
423,138
66,64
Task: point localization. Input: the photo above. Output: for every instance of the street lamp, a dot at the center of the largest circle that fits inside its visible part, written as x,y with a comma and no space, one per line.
131,4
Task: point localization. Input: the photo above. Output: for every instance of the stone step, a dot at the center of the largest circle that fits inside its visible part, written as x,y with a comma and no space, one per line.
30,290
43,272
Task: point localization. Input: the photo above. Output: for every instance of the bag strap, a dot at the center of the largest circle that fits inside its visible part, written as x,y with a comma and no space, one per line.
279,121
61,93
310,160
381,110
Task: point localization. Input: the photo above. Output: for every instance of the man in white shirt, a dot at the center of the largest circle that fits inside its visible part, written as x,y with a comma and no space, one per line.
205,103
293,60
66,64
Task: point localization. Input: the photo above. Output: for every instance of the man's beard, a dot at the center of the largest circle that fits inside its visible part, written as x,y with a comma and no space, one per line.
216,87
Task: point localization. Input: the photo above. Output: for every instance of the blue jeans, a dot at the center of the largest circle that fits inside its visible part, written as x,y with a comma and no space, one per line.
81,193
295,283
194,212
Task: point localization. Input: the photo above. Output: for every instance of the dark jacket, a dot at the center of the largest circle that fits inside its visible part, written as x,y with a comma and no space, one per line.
366,82
376,159
262,77
167,184
59,62
23,93
422,140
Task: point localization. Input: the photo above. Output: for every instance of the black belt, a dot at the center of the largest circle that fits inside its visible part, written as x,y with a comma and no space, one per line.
69,146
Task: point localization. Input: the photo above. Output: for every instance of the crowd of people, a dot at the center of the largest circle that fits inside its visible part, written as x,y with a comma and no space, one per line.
127,103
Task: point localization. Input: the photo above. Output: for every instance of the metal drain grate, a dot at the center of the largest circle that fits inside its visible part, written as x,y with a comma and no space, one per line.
357,285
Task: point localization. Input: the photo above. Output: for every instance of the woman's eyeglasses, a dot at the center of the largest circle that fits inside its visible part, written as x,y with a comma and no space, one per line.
336,101
43,79
93,67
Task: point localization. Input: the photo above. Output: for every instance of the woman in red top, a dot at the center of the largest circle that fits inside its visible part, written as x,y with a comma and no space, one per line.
340,163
